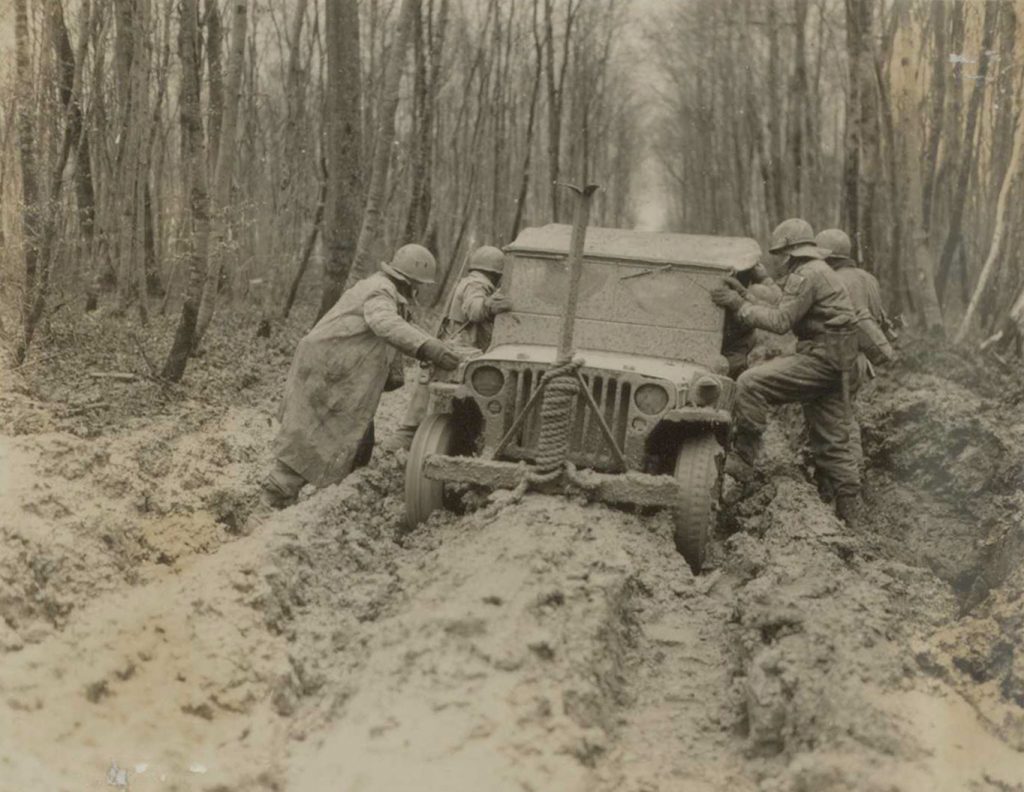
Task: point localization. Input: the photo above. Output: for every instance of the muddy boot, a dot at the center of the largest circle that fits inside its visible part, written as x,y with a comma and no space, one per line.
746,445
281,486
848,509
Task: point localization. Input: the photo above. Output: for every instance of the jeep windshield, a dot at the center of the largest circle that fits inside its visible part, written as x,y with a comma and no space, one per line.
643,294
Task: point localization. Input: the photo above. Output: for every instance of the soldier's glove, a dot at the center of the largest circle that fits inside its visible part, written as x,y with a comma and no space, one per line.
735,285
442,356
497,304
725,297
758,274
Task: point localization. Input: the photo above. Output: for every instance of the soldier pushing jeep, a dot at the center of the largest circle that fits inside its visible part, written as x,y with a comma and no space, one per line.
814,305
339,371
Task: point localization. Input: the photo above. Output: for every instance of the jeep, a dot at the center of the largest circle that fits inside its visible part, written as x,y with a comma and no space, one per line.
651,420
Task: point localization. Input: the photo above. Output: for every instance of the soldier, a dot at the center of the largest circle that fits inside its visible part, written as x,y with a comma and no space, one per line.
815,307
739,339
339,371
878,330
468,325
874,328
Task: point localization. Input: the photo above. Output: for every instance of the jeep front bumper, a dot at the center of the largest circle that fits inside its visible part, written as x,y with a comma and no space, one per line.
629,487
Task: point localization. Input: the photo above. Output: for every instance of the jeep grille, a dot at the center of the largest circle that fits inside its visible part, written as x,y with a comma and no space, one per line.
587,446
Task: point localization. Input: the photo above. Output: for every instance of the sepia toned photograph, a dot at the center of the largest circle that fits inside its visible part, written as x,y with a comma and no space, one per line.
512,395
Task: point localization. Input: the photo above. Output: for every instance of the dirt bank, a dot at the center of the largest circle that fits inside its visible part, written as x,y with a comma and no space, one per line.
162,631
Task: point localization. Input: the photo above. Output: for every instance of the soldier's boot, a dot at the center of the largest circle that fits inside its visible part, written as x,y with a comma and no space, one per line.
849,509
281,486
746,445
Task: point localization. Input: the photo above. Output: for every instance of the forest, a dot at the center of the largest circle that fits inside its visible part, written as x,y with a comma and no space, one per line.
188,186
355,129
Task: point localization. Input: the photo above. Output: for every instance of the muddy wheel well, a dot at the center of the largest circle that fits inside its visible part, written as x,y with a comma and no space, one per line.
468,421
663,443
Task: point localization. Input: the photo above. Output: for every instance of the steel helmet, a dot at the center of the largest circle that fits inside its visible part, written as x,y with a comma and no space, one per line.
487,259
836,242
789,234
412,263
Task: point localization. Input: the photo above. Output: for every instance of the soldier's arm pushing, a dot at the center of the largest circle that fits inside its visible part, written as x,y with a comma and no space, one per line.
797,298
474,302
381,314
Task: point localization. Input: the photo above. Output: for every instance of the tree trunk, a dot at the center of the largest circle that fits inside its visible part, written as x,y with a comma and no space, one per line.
851,165
908,176
968,150
995,247
343,145
416,216
76,137
31,211
194,175
524,182
225,169
775,116
798,120
938,91
361,266
307,251
215,80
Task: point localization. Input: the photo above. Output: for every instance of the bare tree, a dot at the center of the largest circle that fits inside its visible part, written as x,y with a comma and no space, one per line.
383,140
968,149
225,168
343,144
36,268
194,177
996,245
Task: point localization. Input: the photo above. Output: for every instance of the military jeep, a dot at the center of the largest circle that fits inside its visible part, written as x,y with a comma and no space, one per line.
652,424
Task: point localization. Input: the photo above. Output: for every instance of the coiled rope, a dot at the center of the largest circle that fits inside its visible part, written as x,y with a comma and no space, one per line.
561,387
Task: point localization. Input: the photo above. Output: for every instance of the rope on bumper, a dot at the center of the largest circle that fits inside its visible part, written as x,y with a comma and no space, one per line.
561,387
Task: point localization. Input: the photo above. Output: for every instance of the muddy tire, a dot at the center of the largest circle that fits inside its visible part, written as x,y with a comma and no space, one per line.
436,435
698,471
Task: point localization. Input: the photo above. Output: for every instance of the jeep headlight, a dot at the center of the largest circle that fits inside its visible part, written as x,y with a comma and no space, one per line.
651,399
487,380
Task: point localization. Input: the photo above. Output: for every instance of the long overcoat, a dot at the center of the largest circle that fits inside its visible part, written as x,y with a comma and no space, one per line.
337,376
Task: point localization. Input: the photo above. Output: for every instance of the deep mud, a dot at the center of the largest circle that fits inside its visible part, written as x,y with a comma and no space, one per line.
161,630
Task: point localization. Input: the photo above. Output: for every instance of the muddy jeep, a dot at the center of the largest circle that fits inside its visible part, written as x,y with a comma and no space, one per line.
651,418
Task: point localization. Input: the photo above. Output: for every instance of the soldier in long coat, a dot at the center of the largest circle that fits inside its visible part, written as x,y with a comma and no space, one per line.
339,372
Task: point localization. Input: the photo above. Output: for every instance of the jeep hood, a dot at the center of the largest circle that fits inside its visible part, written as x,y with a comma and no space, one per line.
678,372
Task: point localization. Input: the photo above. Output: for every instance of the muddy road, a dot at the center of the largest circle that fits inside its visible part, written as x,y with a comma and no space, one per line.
161,631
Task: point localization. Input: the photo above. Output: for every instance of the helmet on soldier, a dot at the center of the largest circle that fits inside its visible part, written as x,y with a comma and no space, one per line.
836,242
487,259
413,264
789,234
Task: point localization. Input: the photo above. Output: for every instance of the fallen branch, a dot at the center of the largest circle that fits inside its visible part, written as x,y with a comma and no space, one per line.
120,376
34,362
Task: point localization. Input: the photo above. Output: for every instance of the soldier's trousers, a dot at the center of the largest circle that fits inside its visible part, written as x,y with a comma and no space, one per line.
811,379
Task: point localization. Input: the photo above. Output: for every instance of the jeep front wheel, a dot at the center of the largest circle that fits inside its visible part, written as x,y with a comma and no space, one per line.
698,471
423,496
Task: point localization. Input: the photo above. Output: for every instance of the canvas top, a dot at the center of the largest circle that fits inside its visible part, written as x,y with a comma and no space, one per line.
717,252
